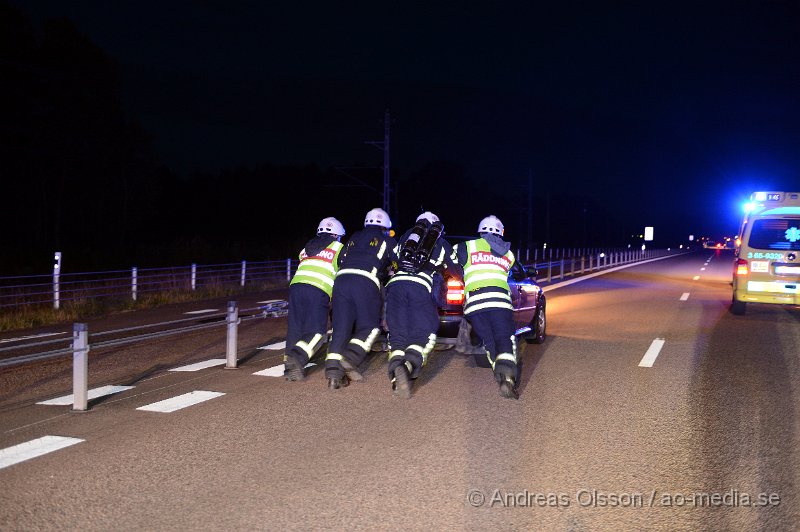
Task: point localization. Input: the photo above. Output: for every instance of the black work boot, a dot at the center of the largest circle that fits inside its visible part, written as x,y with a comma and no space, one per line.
351,371
508,388
401,384
293,371
334,383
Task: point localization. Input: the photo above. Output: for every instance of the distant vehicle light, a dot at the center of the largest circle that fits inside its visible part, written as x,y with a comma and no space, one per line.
602,255
741,267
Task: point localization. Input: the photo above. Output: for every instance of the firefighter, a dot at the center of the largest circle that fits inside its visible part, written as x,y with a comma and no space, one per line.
487,261
411,310
357,301
310,297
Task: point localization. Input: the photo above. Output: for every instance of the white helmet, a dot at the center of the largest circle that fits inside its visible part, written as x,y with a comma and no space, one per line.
331,226
378,217
428,215
491,224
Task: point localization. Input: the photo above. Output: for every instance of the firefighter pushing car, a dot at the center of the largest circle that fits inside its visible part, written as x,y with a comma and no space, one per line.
411,312
364,265
487,261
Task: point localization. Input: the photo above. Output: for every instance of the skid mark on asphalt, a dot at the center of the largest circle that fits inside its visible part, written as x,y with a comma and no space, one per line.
93,394
182,401
31,449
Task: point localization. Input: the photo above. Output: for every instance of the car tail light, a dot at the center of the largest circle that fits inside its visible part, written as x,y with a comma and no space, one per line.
741,267
455,292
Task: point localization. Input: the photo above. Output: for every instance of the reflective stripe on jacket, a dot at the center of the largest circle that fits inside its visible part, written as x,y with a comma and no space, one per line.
486,278
319,270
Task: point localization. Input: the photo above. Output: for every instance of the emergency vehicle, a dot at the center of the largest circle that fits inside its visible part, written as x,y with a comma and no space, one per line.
766,266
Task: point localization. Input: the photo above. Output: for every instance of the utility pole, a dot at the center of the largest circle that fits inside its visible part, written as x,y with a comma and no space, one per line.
385,147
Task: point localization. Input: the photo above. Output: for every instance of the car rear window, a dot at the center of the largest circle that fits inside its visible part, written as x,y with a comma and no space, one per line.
776,233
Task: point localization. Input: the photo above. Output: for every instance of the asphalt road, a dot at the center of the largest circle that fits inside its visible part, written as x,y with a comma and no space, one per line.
704,439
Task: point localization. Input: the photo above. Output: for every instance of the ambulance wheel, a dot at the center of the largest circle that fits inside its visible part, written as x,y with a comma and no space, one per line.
738,307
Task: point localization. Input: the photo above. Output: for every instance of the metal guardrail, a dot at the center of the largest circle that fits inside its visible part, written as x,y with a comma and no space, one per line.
79,345
570,266
58,288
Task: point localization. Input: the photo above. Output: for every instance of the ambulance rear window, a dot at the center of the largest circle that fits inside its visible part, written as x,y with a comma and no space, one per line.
776,233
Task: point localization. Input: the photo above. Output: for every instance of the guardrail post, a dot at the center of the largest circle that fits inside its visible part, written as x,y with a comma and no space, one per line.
244,269
288,270
561,271
572,266
134,282
549,270
233,326
194,277
583,264
80,367
590,261
56,281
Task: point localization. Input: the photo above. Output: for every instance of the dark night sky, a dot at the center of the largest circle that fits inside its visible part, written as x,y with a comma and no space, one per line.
668,113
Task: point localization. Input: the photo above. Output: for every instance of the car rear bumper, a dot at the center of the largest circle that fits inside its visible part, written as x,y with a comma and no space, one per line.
448,329
772,292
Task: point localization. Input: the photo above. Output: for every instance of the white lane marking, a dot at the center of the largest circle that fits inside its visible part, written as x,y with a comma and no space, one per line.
695,278
279,345
269,301
702,269
652,353
93,394
276,371
204,311
19,339
603,272
31,449
685,296
197,366
181,401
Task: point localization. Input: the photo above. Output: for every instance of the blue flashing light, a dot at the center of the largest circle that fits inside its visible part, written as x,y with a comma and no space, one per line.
749,206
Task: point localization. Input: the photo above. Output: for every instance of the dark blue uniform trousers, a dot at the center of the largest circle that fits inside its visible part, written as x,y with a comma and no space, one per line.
496,328
308,321
412,320
356,320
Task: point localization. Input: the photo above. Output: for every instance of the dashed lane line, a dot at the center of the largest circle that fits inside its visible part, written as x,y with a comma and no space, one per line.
31,449
197,366
276,371
204,311
93,394
182,401
685,296
696,278
279,345
650,356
